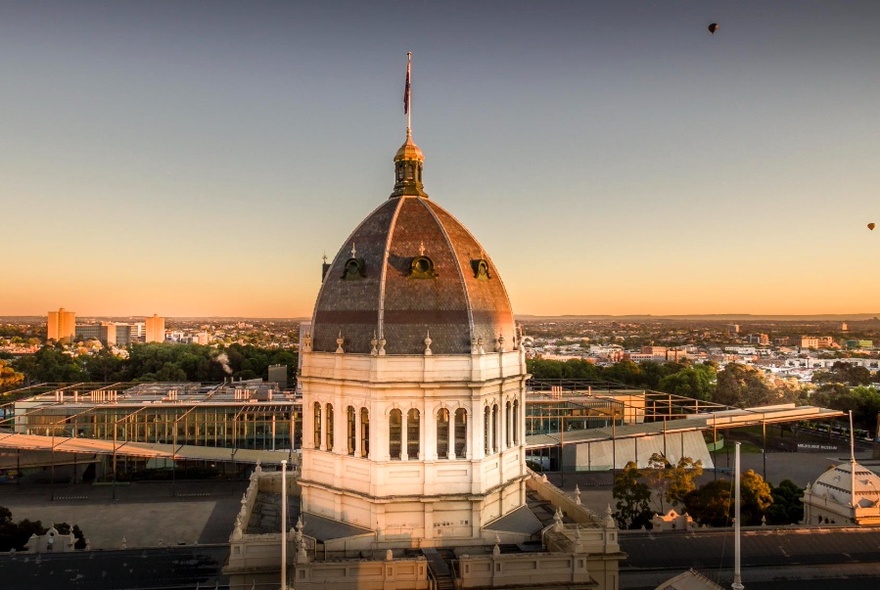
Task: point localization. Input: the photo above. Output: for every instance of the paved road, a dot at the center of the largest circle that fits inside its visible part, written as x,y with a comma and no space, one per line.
168,568
144,514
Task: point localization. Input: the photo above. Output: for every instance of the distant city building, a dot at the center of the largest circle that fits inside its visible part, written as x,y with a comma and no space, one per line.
854,343
844,327
732,329
657,354
155,329
817,342
278,374
126,334
761,339
61,325
105,332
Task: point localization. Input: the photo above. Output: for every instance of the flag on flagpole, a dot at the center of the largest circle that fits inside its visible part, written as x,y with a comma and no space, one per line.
406,87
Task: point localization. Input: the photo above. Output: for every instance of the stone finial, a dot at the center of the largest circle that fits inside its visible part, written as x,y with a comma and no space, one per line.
301,555
389,555
577,532
374,351
339,341
500,343
496,550
124,543
557,520
473,346
307,342
577,495
259,468
480,346
382,343
609,519
354,251
428,344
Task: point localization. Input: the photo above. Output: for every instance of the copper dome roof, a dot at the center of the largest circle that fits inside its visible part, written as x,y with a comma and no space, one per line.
411,270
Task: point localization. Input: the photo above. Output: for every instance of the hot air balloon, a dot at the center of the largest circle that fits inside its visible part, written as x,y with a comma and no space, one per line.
713,27
871,226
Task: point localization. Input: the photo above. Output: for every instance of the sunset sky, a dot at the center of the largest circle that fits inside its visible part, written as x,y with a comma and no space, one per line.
199,158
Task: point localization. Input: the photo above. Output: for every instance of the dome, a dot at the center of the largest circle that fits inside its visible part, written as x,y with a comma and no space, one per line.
411,279
409,151
837,483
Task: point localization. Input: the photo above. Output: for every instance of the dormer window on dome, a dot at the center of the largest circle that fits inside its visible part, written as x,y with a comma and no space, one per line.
422,267
480,267
354,269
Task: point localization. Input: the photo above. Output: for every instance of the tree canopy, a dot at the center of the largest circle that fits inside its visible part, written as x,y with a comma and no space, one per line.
156,362
632,499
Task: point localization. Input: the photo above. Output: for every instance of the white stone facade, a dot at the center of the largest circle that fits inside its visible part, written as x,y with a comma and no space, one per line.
422,449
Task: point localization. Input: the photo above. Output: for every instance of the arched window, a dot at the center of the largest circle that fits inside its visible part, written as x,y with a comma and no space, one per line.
329,427
495,441
442,433
350,430
516,423
413,433
508,424
317,425
394,432
365,432
460,433
487,430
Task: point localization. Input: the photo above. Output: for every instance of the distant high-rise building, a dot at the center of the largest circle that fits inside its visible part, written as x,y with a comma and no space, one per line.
155,329
278,374
61,325
125,334
105,332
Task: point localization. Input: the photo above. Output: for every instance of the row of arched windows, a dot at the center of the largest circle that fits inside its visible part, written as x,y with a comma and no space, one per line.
354,441
491,433
404,435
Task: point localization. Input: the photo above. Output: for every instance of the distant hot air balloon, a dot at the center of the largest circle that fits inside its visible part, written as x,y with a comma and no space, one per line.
871,226
713,27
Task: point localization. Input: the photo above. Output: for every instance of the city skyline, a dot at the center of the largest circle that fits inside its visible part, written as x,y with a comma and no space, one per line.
199,159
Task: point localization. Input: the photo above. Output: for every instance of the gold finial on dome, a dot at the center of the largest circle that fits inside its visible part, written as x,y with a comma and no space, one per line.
408,161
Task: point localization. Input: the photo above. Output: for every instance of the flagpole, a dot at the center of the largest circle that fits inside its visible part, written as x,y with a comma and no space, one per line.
407,106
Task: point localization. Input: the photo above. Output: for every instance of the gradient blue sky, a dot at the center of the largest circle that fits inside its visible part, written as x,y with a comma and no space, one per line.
198,158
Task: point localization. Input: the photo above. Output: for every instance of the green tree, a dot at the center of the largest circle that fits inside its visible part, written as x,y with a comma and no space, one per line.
742,386
710,504
51,364
695,381
632,499
787,507
103,365
755,497
682,480
9,377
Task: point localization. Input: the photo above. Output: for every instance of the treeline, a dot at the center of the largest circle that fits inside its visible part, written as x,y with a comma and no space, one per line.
14,536
639,495
844,387
682,378
156,362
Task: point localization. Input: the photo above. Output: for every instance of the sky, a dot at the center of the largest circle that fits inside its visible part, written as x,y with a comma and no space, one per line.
198,158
